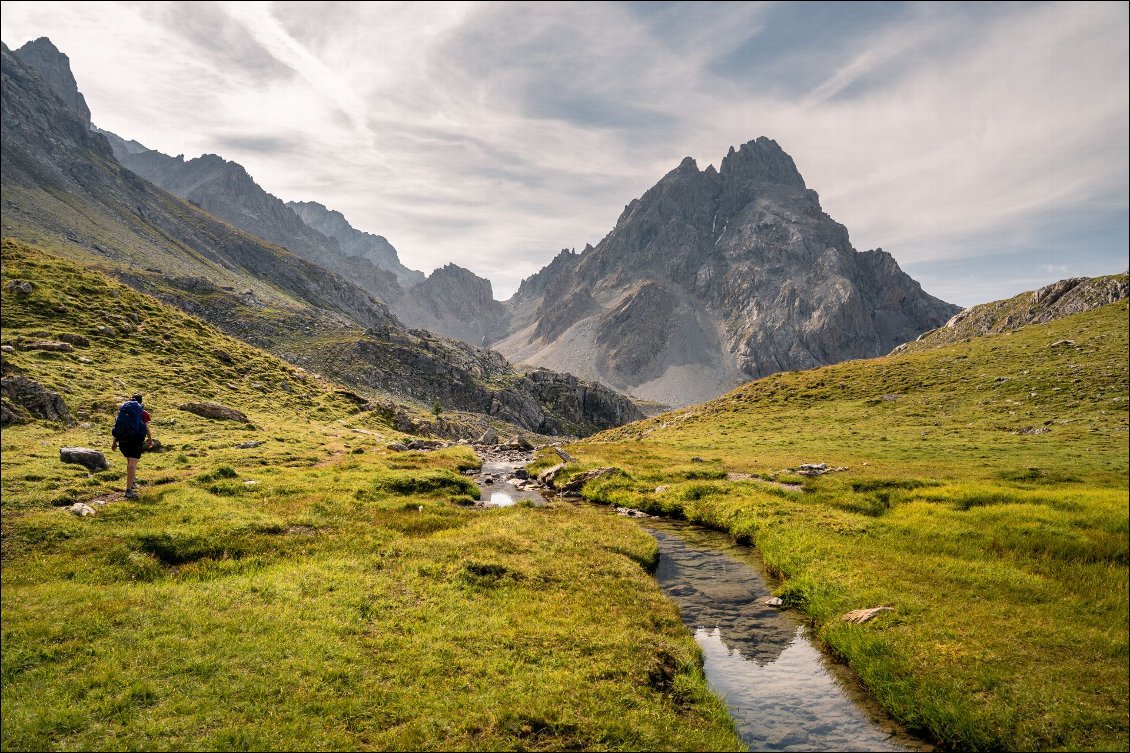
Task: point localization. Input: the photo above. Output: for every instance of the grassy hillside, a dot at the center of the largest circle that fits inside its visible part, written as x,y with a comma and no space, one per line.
983,497
316,591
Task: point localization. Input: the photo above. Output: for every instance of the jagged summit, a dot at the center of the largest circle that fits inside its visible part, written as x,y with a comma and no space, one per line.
55,68
713,277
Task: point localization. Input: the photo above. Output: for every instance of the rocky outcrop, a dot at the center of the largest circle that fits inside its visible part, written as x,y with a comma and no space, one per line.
1051,302
55,69
714,277
23,396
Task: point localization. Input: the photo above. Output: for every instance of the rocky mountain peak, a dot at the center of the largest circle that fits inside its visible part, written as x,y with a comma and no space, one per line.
45,59
713,277
761,161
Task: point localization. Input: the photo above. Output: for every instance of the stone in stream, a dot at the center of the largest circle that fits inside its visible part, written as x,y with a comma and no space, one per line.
774,601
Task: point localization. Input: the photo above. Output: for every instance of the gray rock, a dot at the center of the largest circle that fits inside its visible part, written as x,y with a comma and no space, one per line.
81,341
489,438
577,483
92,460
398,447
20,392
859,616
250,444
80,509
565,456
214,411
19,286
547,476
49,345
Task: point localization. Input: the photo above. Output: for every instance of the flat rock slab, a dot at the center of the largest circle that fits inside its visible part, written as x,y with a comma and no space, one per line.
860,616
92,460
81,510
215,410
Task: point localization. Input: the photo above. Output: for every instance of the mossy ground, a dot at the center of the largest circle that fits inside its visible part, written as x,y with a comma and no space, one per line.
1002,551
314,592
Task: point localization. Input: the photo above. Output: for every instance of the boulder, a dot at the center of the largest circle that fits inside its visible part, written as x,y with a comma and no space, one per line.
36,399
80,509
424,444
215,411
19,286
398,447
81,341
546,477
565,456
51,345
575,484
92,460
488,438
248,445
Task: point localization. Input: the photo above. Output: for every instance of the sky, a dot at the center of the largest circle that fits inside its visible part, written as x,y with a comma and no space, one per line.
985,146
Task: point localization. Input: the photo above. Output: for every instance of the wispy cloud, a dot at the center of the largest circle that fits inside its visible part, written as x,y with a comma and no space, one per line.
492,134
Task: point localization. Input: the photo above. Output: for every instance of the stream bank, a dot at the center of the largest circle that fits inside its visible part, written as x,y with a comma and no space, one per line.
782,691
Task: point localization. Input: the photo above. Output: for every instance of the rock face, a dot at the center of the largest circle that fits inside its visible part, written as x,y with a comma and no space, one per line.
1055,301
353,242
455,302
22,394
55,68
226,190
714,277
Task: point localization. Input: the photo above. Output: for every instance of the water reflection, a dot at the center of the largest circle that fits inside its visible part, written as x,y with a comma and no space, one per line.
777,685
500,499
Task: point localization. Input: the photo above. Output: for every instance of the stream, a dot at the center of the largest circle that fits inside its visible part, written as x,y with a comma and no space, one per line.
783,693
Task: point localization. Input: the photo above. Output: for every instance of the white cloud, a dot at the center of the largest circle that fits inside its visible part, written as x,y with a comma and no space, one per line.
494,134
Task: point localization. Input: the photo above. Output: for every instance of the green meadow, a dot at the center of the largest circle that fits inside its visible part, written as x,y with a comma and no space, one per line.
982,495
316,591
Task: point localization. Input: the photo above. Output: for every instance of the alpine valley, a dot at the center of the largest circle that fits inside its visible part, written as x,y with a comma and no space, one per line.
938,497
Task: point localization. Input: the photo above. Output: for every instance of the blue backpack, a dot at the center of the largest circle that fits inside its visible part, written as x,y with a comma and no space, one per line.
129,427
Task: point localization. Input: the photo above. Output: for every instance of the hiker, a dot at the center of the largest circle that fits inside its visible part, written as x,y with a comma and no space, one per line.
132,435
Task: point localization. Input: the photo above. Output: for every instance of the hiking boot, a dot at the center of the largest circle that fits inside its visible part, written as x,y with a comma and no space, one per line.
131,493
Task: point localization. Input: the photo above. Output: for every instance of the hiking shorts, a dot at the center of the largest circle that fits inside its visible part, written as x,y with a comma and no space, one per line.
131,448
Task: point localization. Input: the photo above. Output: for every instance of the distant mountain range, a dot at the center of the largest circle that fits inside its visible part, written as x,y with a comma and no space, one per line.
63,186
711,278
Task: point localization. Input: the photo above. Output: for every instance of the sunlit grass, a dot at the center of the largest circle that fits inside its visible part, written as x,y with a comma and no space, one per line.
1002,551
317,591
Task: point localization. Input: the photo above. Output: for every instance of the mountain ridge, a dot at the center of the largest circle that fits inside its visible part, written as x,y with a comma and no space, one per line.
63,184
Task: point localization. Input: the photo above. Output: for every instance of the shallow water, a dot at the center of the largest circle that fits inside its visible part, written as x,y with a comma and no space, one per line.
500,499
501,492
782,692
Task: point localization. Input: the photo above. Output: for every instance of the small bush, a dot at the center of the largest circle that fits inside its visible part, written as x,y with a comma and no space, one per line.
429,482
222,472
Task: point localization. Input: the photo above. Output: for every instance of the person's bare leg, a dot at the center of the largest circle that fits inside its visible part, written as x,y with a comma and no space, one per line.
131,472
